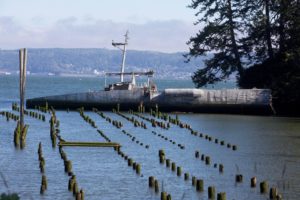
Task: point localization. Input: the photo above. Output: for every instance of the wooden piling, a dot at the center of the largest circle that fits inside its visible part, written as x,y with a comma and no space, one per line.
163,196
253,182
178,171
221,168
156,186
199,185
173,166
239,178
207,160
168,163
151,181
221,196
169,197
193,180
138,169
186,176
211,192
23,64
264,187
273,193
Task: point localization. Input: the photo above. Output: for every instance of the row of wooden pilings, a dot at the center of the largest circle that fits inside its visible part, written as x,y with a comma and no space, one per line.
133,139
197,183
10,116
119,124
87,118
134,121
32,114
54,132
153,183
72,185
116,123
178,122
42,163
44,109
154,122
54,124
207,161
181,146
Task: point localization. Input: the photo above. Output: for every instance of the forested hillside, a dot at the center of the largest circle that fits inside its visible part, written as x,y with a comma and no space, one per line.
95,61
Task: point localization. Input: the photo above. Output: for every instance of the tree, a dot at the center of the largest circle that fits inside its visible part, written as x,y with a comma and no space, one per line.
280,73
219,36
257,40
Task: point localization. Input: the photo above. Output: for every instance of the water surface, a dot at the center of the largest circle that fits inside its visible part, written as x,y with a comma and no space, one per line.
268,148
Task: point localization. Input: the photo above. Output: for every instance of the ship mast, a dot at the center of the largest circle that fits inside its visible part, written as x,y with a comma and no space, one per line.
117,44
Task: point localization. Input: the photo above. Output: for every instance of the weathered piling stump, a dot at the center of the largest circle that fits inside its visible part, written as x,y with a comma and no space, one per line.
207,160
161,159
130,162
44,182
234,147
253,182
221,168
156,186
273,193
78,196
197,154
199,185
72,180
68,166
168,163
82,194
169,197
211,192
193,180
42,189
264,187
161,152
178,171
186,176
42,167
221,196
138,169
173,166
239,178
163,196
202,157
75,188
151,181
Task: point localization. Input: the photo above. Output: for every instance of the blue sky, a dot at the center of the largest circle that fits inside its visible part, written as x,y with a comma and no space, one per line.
160,25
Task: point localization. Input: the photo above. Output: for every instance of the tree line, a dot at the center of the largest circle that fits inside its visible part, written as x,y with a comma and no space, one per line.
258,41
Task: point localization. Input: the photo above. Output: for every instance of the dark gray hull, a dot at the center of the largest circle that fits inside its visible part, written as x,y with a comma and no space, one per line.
170,100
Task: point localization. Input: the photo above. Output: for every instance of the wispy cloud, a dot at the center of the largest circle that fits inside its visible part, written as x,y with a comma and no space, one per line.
166,36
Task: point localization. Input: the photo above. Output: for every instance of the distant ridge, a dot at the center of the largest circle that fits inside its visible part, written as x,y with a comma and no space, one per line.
92,61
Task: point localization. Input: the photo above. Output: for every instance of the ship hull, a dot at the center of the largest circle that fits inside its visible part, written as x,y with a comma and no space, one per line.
231,101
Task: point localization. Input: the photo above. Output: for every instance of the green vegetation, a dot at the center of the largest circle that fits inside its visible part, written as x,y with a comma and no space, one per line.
256,40
12,196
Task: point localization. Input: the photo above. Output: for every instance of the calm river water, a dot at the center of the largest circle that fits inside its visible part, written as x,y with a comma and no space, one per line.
268,148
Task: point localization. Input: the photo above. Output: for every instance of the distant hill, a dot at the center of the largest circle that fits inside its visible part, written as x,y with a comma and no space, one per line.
96,61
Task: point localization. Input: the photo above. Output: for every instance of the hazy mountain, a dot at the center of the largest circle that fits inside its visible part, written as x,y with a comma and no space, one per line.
96,61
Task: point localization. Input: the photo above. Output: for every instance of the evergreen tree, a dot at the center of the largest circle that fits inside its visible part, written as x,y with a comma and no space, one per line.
221,25
257,40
